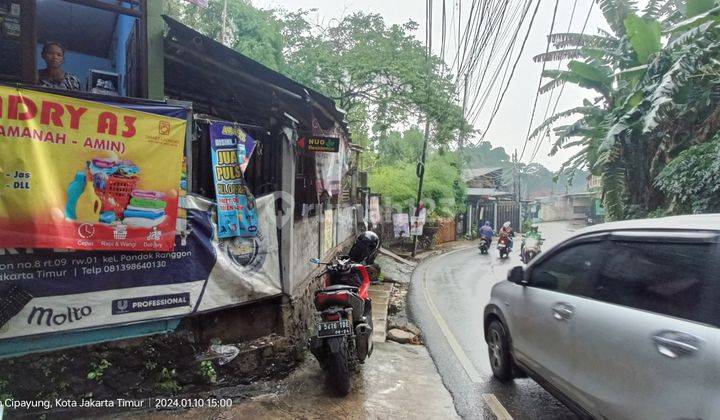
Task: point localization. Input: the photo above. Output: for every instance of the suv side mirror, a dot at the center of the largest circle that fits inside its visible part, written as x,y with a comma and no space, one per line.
517,275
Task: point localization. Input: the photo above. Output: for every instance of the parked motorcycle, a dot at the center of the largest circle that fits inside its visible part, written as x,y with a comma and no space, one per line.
503,246
531,249
484,244
342,338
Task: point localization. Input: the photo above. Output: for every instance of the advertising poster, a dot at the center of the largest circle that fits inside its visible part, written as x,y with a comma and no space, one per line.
78,174
328,234
330,166
375,216
418,222
401,226
231,149
76,290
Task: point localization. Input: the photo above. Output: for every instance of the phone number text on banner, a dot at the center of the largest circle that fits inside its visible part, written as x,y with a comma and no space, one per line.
80,174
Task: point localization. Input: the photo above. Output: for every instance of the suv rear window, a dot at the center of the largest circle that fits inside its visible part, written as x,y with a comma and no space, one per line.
676,279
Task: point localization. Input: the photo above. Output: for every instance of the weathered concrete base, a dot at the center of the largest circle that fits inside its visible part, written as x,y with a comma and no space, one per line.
398,381
380,295
164,364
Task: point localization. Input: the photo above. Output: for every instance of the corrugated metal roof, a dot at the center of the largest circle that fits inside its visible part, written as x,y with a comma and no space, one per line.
491,192
471,173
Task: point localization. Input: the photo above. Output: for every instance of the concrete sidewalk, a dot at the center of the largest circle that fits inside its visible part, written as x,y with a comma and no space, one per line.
380,295
397,382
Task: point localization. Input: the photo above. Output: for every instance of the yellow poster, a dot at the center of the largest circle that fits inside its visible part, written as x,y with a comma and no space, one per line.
86,175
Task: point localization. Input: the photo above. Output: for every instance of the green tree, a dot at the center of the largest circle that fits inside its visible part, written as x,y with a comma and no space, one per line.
444,192
658,96
251,31
403,146
363,63
691,179
484,155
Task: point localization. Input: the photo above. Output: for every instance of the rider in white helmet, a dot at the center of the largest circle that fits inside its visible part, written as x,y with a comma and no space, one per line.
506,229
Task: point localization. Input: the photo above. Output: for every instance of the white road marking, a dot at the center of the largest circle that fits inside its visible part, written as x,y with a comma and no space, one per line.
465,362
497,408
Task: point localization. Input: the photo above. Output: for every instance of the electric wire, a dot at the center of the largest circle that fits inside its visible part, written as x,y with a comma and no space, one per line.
504,65
512,73
562,87
537,93
552,92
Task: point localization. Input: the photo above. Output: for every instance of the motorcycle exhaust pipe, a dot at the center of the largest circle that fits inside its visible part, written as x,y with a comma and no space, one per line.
363,335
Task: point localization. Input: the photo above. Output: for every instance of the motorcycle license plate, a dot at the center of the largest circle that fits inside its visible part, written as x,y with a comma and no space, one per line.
332,329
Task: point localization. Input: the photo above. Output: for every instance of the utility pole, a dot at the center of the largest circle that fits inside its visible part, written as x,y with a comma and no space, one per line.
517,179
420,171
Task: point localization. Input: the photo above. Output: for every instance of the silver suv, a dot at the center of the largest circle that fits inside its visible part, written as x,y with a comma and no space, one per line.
621,321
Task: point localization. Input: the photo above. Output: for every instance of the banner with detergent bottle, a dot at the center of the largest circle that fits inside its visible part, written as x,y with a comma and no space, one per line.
79,174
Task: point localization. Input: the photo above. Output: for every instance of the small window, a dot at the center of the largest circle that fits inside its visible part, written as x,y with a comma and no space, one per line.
570,271
676,279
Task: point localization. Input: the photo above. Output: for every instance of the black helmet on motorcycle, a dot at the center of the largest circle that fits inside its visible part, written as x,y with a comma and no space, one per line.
365,246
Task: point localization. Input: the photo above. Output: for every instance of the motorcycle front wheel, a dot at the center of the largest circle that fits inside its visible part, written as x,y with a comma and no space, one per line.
338,370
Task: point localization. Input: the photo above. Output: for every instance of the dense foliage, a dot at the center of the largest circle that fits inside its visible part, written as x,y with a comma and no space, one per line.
656,79
691,179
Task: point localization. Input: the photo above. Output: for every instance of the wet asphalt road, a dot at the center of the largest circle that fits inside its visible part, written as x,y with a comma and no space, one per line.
458,287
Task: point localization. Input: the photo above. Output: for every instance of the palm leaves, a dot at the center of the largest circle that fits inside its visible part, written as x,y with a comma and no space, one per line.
550,121
572,39
656,100
656,9
644,35
616,11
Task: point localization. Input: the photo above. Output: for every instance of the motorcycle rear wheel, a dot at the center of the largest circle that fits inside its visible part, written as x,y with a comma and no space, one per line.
338,370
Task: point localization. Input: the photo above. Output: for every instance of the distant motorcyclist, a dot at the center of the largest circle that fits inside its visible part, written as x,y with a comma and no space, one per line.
533,232
486,231
507,230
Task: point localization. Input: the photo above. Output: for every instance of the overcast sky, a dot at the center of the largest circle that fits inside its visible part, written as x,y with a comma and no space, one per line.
511,123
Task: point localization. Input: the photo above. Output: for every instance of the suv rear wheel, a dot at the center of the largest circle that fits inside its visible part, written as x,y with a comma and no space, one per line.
499,351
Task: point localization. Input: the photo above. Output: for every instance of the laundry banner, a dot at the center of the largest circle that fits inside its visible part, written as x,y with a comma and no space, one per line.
78,290
231,149
80,174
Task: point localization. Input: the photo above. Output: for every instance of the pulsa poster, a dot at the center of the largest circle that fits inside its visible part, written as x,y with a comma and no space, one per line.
78,174
231,149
